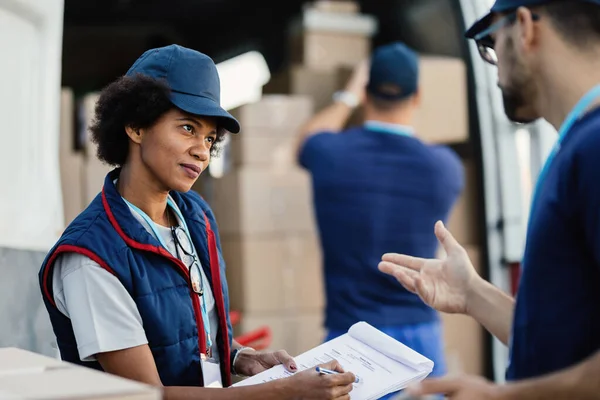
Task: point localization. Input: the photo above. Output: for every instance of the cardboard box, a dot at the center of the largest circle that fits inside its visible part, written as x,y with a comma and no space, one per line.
310,331
464,217
94,173
26,375
327,39
327,50
281,326
294,333
274,273
253,200
15,361
337,6
269,130
443,114
94,170
71,160
463,336
85,113
263,147
275,111
318,84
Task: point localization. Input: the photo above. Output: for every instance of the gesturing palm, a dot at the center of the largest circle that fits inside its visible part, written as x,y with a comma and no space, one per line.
441,284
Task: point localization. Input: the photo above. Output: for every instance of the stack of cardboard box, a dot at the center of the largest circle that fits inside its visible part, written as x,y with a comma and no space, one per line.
94,170
331,34
82,173
71,160
263,208
328,40
332,37
264,204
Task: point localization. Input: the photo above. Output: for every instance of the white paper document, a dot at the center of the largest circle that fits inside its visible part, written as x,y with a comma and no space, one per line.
383,364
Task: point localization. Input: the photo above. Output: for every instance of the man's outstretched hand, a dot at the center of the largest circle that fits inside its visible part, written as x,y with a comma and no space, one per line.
442,284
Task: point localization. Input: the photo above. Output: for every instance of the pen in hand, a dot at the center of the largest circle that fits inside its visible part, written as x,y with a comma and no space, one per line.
325,371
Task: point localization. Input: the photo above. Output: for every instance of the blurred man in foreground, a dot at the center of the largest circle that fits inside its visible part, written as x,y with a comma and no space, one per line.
548,58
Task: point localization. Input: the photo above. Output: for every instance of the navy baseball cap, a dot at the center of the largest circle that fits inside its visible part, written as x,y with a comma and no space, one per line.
193,79
502,6
394,72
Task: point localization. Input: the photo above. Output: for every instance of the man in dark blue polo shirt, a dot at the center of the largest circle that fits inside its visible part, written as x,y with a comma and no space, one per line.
378,188
548,57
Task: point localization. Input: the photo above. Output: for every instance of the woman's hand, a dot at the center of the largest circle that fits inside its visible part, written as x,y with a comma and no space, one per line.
310,385
251,362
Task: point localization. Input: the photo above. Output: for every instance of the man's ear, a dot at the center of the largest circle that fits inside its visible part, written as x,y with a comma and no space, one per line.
135,135
526,28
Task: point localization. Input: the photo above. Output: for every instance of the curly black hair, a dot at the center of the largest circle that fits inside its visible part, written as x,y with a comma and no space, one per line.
135,101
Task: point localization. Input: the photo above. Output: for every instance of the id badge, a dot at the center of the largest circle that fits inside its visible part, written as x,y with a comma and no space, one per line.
212,374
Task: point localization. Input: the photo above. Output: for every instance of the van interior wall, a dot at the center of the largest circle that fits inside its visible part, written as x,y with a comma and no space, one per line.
429,26
117,32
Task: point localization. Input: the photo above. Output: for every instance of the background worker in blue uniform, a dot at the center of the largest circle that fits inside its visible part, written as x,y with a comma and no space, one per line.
377,188
136,284
548,58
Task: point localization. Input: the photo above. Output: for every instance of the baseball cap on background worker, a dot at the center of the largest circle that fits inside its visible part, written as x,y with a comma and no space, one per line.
193,79
394,72
503,6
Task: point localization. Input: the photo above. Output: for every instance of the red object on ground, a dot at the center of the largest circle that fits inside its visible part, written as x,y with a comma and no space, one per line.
258,339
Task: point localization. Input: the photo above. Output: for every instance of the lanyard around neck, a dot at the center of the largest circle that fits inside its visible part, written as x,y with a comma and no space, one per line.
149,221
153,224
154,228
576,113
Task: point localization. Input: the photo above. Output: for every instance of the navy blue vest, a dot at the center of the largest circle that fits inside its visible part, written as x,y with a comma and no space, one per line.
159,283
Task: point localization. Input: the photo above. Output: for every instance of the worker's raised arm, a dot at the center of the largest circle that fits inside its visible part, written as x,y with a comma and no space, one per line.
333,118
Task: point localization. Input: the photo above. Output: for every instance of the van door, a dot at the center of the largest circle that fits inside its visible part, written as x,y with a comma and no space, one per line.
31,212
504,189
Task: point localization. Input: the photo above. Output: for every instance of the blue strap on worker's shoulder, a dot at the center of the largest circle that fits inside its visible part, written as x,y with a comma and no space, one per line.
386,127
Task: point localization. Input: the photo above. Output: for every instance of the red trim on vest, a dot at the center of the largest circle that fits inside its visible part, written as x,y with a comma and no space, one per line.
67,248
219,300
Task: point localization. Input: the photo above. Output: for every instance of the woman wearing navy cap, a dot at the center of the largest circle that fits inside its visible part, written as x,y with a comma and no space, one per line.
136,284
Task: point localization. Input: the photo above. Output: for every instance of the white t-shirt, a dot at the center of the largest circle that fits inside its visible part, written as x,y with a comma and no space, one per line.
102,312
